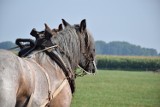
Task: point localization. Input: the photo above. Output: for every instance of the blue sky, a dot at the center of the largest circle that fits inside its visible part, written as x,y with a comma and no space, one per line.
134,21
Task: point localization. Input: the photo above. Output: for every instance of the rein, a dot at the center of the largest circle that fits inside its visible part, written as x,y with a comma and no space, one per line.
48,48
82,72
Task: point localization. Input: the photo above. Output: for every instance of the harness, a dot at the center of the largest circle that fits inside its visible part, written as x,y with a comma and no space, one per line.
52,53
70,77
51,95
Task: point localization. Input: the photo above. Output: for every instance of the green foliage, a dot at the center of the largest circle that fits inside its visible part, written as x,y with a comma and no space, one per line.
123,48
128,62
118,89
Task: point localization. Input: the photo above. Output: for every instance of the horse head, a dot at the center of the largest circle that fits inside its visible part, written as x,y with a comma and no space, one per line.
87,46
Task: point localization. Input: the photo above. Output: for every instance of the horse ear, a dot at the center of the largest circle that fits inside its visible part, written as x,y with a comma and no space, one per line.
83,25
60,27
48,31
47,28
65,23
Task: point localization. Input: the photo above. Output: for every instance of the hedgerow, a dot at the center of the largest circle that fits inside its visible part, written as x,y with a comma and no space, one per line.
128,62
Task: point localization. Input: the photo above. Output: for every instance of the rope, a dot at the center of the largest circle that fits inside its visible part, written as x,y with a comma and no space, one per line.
58,90
55,46
83,72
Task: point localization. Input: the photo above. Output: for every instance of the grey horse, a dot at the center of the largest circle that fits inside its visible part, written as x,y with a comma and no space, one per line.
37,80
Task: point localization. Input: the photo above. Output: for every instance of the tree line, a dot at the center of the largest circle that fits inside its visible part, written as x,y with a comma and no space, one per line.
7,45
123,48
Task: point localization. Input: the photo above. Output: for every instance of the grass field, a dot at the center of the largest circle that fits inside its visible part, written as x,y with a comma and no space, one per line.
118,89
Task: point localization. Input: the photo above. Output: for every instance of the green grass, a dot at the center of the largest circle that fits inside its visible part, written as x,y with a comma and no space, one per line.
118,89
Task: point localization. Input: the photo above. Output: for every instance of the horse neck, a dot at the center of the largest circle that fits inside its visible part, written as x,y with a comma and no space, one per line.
69,46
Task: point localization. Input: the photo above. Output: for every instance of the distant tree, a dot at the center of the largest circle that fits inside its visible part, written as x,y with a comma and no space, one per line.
100,47
123,48
7,45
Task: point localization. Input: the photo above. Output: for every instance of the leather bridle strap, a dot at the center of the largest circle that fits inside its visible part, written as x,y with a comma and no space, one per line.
59,89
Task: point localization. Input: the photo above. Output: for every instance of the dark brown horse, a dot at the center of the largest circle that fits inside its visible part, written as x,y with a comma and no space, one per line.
38,80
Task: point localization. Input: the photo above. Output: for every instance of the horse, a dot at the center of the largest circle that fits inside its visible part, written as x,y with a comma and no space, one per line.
38,80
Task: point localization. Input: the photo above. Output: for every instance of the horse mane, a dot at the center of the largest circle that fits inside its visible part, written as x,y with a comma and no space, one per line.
69,43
